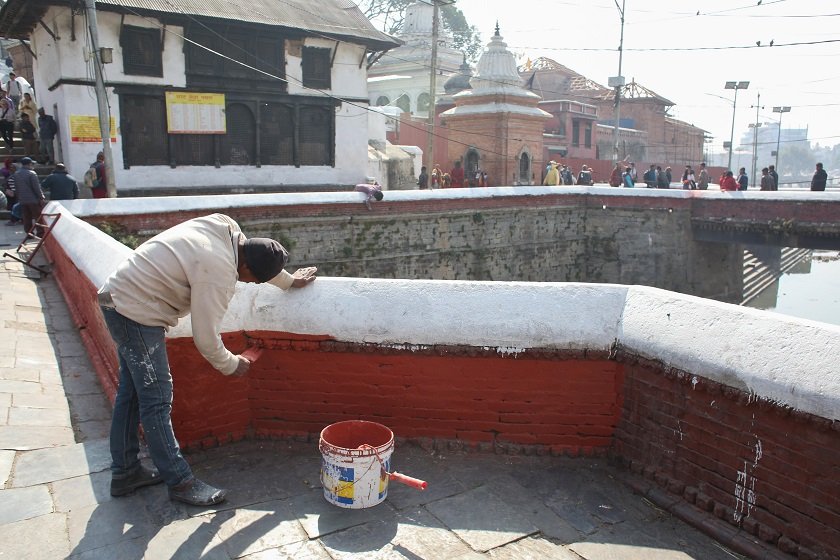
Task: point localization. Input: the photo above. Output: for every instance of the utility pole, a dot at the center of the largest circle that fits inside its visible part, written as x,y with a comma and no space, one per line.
736,86
101,98
755,137
430,142
618,82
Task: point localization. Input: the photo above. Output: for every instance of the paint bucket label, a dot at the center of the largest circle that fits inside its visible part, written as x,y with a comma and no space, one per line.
355,460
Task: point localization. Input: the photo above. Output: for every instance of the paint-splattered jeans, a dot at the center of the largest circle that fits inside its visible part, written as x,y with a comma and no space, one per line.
144,396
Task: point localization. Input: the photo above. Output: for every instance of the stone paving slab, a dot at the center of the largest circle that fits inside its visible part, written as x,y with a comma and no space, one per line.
48,465
39,538
11,373
534,547
306,550
82,491
411,534
259,527
23,416
14,386
24,503
52,399
318,517
32,437
482,519
7,459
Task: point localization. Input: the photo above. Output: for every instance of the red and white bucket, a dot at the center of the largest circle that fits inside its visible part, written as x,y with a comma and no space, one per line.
356,464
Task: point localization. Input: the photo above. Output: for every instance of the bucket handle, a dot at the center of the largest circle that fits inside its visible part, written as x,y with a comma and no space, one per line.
395,476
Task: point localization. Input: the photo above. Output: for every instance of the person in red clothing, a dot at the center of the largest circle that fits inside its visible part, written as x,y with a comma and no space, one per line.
728,182
99,188
457,175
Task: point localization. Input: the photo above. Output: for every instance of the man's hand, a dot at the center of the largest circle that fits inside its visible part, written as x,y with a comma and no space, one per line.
303,276
243,367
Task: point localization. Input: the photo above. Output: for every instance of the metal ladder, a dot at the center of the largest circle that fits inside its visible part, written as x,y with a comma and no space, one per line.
45,223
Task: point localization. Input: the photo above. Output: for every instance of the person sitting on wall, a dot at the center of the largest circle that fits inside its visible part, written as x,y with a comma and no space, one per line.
372,189
196,262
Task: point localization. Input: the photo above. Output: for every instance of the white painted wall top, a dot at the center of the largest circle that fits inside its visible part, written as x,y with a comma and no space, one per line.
787,360
212,203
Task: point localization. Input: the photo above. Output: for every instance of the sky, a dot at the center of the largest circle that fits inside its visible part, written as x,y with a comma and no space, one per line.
804,77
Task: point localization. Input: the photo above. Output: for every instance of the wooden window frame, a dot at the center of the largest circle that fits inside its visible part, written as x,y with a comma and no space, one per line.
316,65
129,32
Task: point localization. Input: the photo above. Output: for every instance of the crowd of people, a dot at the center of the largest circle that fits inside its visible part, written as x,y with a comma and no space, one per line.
25,194
19,111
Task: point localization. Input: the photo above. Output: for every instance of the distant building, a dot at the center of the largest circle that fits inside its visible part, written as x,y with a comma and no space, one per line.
294,113
401,77
646,131
496,125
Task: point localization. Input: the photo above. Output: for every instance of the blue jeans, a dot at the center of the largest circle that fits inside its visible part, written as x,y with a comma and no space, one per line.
144,397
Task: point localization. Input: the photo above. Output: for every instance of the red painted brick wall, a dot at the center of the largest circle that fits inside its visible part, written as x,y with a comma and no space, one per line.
80,295
773,472
300,385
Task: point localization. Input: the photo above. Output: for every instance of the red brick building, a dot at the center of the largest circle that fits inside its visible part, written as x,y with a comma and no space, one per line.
496,125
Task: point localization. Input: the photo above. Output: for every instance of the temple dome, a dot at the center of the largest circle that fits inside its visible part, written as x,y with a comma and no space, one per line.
459,81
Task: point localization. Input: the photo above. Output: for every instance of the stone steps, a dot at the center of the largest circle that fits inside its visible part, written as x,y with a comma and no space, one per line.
758,276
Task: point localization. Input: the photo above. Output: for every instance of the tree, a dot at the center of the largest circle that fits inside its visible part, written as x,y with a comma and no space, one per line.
390,14
466,37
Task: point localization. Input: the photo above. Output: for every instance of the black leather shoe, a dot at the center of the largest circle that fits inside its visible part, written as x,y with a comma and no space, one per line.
123,485
197,493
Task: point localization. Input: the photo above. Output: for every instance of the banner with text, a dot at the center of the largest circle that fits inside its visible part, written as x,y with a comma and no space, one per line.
195,113
85,128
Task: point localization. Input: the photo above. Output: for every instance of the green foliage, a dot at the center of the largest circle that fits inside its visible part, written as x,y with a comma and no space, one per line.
466,37
120,233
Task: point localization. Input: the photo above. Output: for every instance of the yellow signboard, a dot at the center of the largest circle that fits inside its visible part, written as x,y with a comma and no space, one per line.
195,113
85,128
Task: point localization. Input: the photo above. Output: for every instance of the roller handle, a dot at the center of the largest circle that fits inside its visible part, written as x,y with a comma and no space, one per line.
408,480
252,353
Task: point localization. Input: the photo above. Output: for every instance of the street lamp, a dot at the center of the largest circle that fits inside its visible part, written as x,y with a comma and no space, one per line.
781,111
736,86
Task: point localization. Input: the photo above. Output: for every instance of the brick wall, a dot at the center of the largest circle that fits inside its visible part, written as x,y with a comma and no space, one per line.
763,468
562,372
80,295
551,400
550,238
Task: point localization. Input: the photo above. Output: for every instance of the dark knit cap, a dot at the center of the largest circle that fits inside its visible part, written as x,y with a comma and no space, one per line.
265,257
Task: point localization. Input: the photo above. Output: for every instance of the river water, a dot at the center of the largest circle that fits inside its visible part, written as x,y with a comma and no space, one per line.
811,290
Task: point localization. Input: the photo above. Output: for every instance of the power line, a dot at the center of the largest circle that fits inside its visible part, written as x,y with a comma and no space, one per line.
683,49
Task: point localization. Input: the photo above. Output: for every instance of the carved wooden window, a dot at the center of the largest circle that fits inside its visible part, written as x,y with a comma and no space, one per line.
248,44
239,146
575,132
142,51
192,149
316,67
277,134
316,135
143,125
587,135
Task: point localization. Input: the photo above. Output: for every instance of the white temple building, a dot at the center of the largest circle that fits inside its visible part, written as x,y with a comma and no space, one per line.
400,78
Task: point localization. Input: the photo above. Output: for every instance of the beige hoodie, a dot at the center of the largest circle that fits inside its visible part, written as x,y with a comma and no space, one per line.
195,261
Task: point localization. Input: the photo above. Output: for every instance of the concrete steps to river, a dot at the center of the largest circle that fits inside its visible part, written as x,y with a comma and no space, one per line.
759,275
